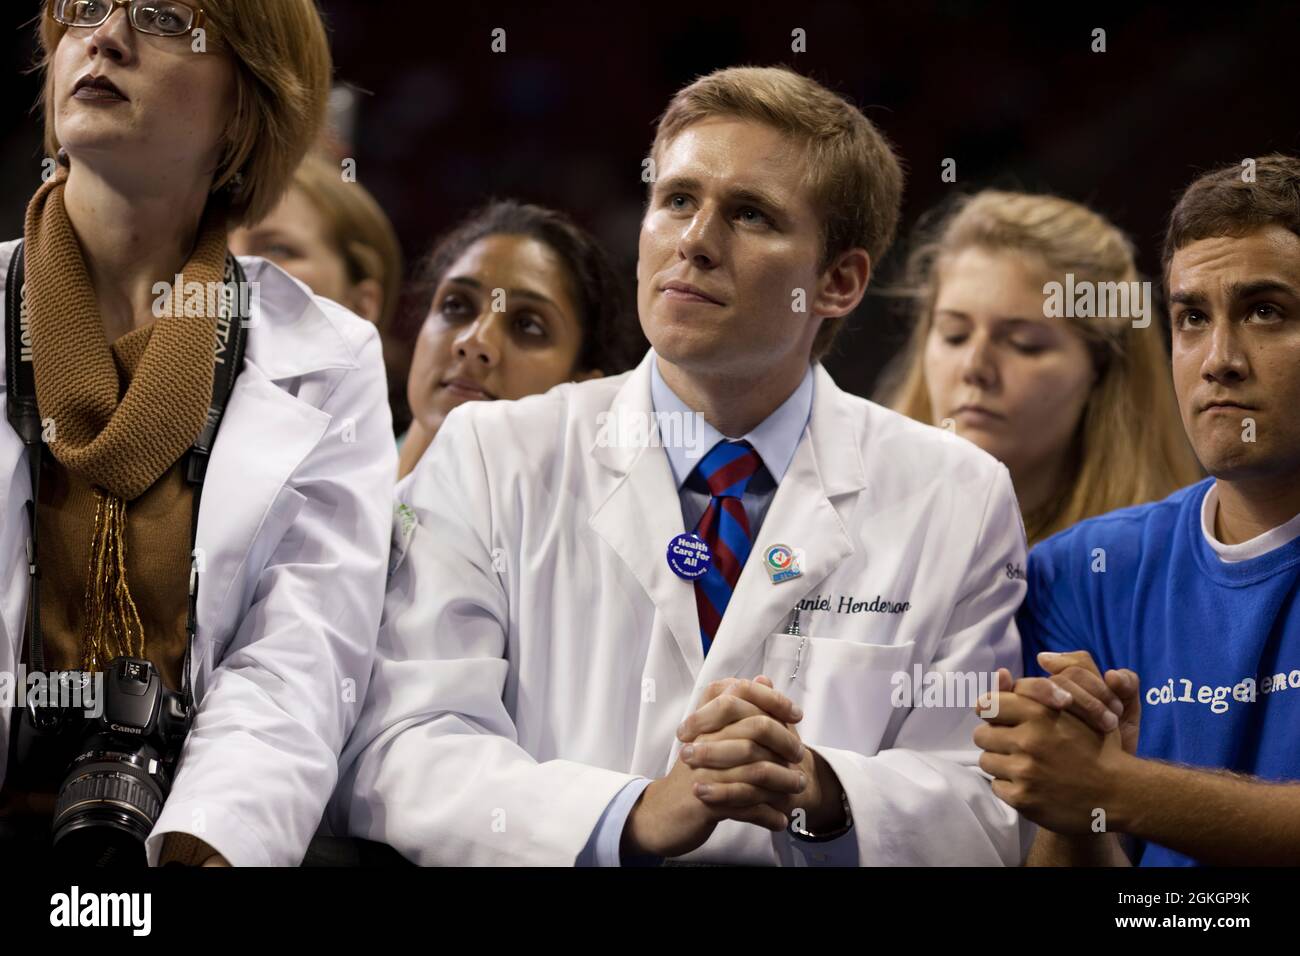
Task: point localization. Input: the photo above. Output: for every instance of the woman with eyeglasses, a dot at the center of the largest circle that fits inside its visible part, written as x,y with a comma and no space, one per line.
197,460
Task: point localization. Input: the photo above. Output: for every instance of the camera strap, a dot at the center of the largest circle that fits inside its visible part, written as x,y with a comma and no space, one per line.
25,417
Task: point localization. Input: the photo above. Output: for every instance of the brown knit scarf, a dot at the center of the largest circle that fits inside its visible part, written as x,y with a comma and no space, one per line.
119,443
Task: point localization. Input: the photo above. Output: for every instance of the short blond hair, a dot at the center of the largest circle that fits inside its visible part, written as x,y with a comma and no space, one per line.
855,177
358,228
283,71
1130,447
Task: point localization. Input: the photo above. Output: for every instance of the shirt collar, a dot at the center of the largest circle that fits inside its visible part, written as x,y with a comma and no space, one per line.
775,438
1259,545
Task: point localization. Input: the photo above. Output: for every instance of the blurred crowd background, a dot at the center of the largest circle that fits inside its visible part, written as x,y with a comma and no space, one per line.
438,123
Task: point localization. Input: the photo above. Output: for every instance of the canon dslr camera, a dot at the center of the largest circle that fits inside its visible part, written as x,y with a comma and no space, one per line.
117,767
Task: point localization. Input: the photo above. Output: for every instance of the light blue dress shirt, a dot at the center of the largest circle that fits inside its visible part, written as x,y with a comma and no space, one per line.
775,439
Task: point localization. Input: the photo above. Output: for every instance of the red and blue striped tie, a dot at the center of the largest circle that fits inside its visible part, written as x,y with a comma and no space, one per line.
727,469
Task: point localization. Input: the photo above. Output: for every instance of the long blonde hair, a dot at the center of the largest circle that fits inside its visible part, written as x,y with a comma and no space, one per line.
1130,446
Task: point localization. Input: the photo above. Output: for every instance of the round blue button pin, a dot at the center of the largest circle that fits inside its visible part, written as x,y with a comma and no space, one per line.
689,556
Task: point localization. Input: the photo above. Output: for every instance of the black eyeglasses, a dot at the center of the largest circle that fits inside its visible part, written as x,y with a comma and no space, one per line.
161,18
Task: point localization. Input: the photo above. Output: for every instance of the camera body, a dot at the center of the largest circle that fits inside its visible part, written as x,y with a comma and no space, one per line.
117,767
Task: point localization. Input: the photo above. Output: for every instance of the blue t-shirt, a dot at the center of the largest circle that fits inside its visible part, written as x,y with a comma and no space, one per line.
1215,645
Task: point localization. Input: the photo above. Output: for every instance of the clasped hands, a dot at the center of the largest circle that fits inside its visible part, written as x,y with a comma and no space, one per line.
1057,746
741,759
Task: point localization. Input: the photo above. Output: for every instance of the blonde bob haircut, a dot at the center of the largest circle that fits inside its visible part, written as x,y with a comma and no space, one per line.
854,175
1130,447
282,80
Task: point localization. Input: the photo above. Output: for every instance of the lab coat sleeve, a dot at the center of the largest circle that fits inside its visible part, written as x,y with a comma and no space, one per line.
262,757
434,767
923,800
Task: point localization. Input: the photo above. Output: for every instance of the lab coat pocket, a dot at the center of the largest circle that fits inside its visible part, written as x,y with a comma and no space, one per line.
844,687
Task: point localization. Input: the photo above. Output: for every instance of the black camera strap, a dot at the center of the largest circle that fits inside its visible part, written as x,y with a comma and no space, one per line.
25,417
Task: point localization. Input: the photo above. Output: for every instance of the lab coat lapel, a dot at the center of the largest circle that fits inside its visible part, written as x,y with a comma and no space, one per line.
827,465
264,437
15,491
643,511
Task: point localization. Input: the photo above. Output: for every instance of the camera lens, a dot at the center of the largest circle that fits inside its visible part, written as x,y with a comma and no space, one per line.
106,808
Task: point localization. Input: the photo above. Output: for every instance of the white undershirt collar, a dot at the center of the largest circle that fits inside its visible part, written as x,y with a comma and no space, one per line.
1256,546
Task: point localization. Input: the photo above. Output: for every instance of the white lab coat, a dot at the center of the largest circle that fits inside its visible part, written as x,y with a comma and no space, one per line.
537,653
293,534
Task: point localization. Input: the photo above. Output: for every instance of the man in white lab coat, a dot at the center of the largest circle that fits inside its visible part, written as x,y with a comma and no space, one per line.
689,612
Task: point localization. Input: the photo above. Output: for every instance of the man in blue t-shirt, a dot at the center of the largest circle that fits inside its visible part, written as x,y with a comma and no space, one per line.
1169,633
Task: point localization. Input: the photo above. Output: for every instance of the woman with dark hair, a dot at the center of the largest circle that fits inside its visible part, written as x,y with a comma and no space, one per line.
521,299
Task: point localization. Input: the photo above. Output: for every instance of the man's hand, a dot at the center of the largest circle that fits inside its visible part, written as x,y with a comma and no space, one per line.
1048,764
819,803
742,761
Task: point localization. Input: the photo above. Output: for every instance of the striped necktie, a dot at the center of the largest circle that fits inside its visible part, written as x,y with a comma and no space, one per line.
727,470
